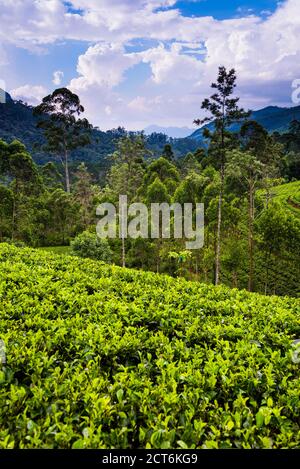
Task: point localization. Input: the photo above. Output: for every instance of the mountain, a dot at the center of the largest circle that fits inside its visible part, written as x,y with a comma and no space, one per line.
18,122
273,118
4,97
173,132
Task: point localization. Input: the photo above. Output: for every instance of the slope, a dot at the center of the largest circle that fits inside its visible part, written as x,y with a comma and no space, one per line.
289,196
103,357
273,118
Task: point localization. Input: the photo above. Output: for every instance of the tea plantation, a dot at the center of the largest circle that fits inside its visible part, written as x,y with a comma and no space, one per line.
103,357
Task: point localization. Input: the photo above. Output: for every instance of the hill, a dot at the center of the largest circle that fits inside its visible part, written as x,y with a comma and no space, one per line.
289,196
273,118
17,122
103,357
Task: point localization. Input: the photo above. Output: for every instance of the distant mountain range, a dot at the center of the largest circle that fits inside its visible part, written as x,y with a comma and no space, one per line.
18,122
173,132
273,118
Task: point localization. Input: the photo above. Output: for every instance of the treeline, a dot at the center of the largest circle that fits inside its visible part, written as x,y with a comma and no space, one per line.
251,241
19,122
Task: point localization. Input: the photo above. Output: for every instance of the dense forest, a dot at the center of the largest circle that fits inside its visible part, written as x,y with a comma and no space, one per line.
18,122
248,180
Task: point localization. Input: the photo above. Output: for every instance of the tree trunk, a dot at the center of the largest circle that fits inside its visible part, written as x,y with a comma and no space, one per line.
234,279
123,253
15,210
205,276
218,247
251,238
68,186
267,271
13,219
66,163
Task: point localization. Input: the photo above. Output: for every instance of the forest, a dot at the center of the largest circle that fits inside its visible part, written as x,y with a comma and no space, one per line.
247,178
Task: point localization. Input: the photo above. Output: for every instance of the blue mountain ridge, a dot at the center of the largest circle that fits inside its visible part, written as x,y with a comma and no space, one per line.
272,118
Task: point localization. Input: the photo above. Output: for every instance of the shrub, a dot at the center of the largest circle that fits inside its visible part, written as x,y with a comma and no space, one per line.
88,245
97,356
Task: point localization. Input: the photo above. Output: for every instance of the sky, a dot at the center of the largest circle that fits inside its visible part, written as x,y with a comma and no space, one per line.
137,63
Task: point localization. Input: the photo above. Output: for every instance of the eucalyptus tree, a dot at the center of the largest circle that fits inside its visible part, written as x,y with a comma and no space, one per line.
224,112
63,129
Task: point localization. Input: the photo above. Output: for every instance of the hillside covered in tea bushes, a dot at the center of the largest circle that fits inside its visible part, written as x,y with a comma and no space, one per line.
97,356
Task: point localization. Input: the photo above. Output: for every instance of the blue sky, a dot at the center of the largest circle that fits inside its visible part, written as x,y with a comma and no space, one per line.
142,62
227,8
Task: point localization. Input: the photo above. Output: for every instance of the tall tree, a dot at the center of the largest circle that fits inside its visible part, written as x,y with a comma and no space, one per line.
63,129
168,152
127,173
20,172
84,194
248,169
224,111
264,148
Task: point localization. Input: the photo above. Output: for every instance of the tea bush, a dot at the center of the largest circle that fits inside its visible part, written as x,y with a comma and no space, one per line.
103,357
88,245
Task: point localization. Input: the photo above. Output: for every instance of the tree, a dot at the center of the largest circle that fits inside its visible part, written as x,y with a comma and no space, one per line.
168,152
62,218
6,207
234,257
224,111
63,130
51,176
130,154
126,174
157,193
83,194
189,163
21,174
165,171
247,168
291,142
256,140
191,189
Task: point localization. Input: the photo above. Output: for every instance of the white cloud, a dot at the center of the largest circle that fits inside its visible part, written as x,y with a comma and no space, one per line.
30,94
171,65
265,51
57,77
103,64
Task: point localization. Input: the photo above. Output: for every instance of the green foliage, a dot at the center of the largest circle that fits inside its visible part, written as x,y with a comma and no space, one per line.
89,245
63,130
168,152
103,357
157,192
18,122
291,142
57,249
288,195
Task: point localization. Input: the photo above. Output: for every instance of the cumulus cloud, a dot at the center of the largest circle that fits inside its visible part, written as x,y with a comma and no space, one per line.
182,62
57,77
171,64
103,64
29,94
